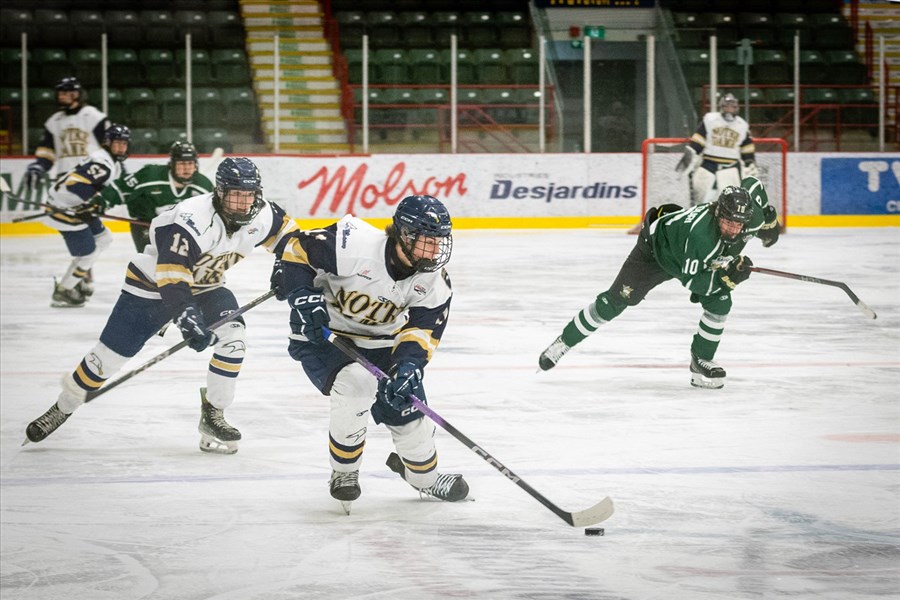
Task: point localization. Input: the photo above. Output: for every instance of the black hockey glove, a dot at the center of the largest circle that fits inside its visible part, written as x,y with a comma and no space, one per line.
308,313
736,272
392,404
90,209
769,232
193,329
276,280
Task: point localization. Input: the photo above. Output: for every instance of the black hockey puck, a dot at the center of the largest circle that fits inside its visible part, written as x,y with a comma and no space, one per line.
594,531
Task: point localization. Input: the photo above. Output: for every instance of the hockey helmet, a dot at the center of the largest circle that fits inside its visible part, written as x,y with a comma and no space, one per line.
729,107
69,84
182,151
734,204
237,175
422,226
116,132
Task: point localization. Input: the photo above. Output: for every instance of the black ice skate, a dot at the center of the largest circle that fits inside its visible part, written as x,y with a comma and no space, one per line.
85,287
345,488
553,353
448,487
216,435
66,298
45,424
706,373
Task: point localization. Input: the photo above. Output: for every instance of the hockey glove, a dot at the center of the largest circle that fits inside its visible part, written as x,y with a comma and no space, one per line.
688,161
90,209
193,329
308,313
34,182
276,280
392,404
736,272
750,169
771,229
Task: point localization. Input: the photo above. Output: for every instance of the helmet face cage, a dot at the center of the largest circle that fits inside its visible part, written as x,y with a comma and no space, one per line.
729,107
69,84
237,174
423,229
182,152
113,133
734,204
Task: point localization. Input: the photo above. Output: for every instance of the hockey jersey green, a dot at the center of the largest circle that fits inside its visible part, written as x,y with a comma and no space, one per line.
152,191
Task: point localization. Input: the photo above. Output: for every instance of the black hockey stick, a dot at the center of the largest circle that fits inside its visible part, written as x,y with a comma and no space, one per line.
839,284
599,512
163,355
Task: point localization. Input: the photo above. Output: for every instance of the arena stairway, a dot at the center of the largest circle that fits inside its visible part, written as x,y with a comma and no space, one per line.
309,111
884,18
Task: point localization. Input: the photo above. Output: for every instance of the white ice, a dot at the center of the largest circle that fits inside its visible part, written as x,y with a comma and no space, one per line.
784,484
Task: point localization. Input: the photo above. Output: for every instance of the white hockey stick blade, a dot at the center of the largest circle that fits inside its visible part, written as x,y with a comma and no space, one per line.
866,310
593,515
209,165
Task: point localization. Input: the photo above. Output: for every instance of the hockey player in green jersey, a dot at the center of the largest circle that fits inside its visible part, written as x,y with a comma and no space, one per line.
701,247
155,189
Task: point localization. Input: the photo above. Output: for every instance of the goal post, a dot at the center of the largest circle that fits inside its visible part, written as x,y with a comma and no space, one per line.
660,183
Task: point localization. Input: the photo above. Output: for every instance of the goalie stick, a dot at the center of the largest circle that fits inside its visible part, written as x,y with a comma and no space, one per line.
167,353
839,284
590,516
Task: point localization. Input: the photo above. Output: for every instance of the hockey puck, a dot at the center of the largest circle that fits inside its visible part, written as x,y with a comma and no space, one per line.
594,531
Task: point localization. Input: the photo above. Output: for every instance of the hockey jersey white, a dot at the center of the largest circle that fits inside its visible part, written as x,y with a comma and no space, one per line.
190,249
723,141
88,177
364,302
73,137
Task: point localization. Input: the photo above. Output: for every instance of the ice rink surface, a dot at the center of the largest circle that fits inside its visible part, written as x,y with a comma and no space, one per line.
784,484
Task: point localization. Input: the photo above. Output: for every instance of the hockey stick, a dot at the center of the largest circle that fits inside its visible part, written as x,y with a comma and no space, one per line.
862,305
57,210
599,512
163,355
212,163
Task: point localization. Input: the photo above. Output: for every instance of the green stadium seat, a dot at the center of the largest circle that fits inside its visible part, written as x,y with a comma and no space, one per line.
760,28
770,66
53,28
758,114
425,66
172,109
789,24
470,96
192,22
159,67
845,68
240,108
88,66
417,29
226,28
466,73
52,65
230,66
170,135
431,96
208,139
351,27
862,115
784,97
144,141
11,66
115,105
143,110
523,65
88,26
491,66
201,67
813,67
34,138
390,66
479,29
11,97
124,68
207,108
447,23
13,23
159,28
529,101
41,104
514,29
501,105
354,64
821,96
123,27
725,26
832,32
383,29
695,65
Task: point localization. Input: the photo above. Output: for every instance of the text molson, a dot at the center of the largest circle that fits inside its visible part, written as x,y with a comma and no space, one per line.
504,188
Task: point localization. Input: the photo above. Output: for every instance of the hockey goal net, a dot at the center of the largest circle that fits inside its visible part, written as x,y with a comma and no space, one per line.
661,184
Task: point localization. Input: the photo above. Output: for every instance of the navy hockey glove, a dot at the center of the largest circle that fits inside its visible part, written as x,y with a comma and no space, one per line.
193,329
34,176
392,404
737,271
769,232
276,280
308,313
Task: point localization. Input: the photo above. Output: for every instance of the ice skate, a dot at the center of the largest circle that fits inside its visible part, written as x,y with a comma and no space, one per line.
66,298
85,287
553,353
216,435
449,487
345,488
706,373
46,424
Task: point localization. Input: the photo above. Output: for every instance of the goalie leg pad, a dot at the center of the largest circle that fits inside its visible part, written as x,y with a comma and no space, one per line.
702,184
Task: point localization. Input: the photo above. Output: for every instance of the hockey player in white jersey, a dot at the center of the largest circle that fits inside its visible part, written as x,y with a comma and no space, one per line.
387,292
76,201
720,153
70,135
180,278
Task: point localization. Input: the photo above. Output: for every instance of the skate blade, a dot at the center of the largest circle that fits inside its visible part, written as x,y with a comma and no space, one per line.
215,446
346,506
699,381
65,305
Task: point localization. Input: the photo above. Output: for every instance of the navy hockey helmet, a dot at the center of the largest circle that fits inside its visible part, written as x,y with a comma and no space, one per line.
237,175
69,84
116,132
729,107
734,204
422,227
182,151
